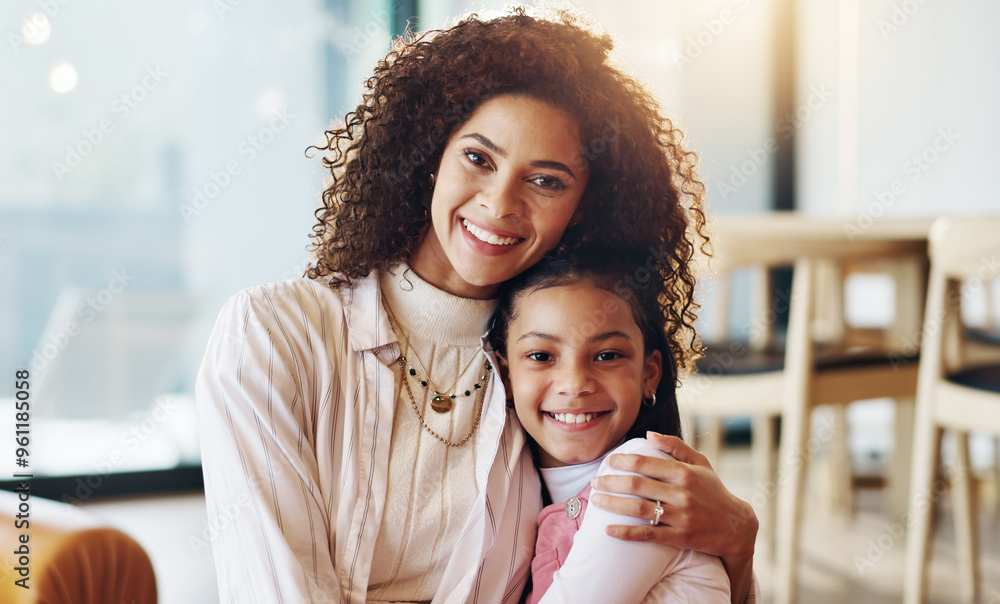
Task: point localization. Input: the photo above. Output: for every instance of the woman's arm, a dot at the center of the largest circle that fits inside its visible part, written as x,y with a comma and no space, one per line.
266,519
699,511
600,568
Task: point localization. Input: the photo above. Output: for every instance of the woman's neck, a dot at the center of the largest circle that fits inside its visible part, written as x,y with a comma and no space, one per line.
433,266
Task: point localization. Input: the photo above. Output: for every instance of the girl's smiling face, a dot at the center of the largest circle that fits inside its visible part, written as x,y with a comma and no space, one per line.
509,183
577,370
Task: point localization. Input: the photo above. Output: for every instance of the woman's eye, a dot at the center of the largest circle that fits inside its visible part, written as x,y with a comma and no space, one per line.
476,158
608,356
549,182
539,356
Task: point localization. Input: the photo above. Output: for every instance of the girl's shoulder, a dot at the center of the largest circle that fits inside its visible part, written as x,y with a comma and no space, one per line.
636,446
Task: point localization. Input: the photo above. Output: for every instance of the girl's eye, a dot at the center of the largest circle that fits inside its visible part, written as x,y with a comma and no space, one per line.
549,182
541,357
608,356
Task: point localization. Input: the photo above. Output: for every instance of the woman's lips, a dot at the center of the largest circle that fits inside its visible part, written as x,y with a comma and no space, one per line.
486,242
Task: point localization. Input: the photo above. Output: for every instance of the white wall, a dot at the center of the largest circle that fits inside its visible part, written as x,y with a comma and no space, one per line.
926,68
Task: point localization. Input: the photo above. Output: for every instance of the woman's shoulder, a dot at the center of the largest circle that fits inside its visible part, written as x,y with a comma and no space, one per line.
287,304
297,294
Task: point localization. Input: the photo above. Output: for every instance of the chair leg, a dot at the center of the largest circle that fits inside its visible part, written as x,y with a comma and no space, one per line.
964,502
841,474
923,492
764,454
711,438
899,468
794,454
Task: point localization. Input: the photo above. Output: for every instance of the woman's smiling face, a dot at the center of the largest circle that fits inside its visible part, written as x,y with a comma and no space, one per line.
510,181
577,370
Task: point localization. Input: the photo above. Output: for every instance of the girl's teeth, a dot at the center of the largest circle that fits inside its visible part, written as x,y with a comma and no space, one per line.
573,418
488,237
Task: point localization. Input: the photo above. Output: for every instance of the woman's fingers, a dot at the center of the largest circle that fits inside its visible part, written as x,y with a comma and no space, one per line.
660,534
677,448
654,473
676,516
637,486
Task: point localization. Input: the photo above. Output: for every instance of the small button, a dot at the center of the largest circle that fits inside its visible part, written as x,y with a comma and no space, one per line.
573,507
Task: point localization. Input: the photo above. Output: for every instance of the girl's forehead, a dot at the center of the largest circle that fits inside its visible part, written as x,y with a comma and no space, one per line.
581,306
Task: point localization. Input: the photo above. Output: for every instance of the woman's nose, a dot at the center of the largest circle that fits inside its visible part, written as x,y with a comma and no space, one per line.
503,198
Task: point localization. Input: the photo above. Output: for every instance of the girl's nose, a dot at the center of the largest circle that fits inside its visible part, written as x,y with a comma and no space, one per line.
575,380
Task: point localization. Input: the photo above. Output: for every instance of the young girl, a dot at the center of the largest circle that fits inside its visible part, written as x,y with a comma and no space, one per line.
355,440
590,371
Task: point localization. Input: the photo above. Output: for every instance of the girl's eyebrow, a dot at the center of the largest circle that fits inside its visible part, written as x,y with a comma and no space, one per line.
548,337
539,163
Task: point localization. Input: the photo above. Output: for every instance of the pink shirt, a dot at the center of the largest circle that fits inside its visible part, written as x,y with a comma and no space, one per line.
576,561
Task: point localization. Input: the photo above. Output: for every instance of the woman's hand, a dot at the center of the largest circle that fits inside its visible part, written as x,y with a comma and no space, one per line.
699,512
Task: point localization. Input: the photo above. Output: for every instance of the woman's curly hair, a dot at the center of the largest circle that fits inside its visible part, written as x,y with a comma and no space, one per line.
643,185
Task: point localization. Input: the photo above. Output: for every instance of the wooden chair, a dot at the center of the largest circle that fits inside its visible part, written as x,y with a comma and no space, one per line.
953,395
71,557
767,381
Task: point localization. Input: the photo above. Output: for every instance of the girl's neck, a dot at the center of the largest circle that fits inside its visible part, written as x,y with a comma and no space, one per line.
564,482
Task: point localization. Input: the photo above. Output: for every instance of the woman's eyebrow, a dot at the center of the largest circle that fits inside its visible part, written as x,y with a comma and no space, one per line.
486,143
539,163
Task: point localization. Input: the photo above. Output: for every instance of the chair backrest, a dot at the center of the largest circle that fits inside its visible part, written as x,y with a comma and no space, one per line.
965,259
966,247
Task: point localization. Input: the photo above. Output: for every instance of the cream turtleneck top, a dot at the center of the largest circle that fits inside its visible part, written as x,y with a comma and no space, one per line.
432,487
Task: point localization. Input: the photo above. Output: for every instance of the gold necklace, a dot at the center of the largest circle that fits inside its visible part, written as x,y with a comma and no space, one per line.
444,400
413,403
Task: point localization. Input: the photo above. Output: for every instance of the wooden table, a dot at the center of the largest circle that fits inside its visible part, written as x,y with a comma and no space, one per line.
827,249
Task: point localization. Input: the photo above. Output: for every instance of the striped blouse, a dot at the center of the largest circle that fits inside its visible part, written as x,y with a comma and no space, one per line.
295,399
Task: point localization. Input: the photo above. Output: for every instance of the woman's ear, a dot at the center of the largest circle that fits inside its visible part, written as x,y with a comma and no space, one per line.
652,371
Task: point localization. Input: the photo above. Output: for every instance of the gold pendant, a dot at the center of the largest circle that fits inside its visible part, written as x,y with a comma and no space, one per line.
441,404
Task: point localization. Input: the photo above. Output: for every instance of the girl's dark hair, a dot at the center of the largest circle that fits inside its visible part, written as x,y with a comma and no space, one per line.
643,187
632,276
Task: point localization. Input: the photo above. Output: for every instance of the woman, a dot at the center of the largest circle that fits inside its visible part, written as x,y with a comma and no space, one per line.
353,430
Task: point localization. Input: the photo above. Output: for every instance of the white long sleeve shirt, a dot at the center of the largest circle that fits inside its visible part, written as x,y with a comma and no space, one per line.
600,568
296,403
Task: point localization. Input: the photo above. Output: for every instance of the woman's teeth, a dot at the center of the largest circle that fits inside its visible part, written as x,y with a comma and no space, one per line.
573,418
488,237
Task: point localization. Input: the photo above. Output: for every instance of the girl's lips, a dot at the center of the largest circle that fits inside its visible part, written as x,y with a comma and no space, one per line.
575,421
